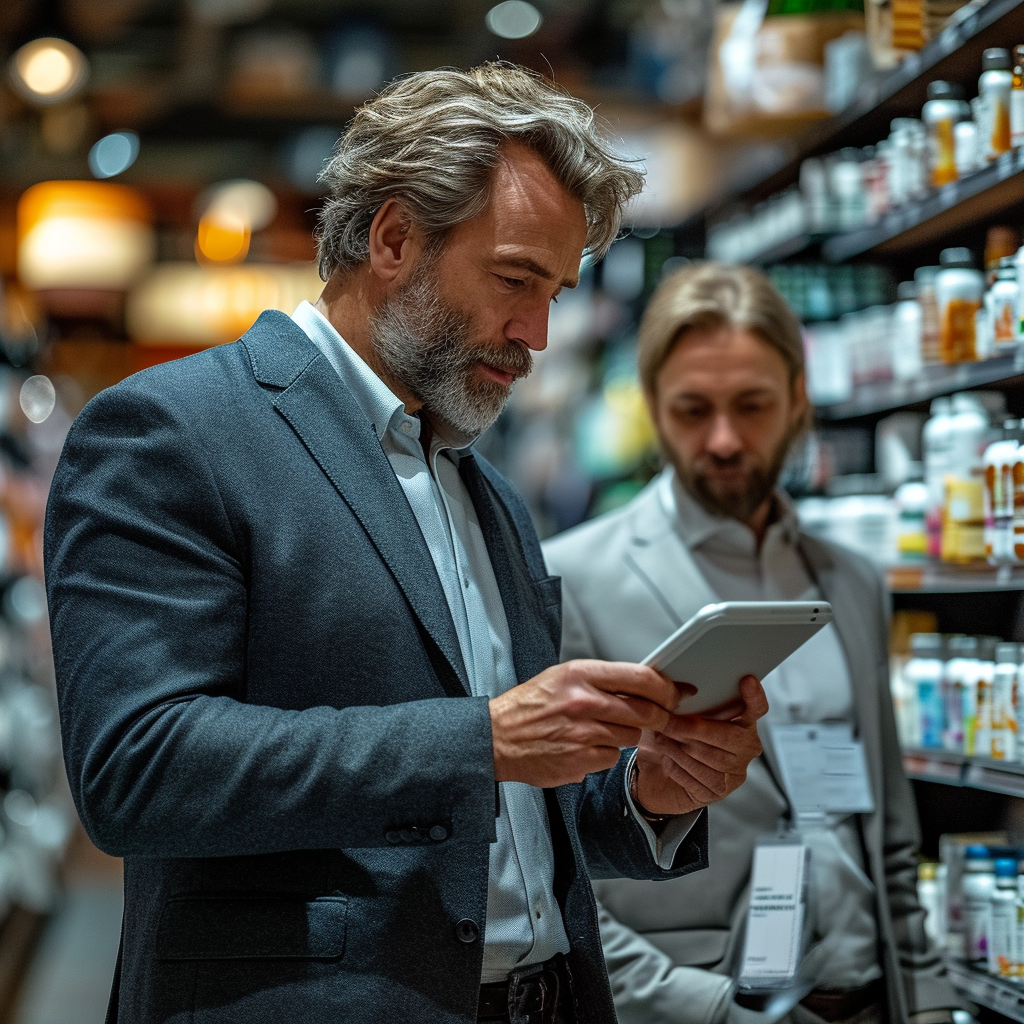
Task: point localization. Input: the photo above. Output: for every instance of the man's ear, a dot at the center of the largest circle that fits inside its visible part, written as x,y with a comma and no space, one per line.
395,242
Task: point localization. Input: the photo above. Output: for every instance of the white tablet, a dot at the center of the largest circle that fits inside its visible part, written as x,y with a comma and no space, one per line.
724,642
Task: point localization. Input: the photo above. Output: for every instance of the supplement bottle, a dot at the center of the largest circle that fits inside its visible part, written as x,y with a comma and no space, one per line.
1002,919
959,686
1017,98
998,459
963,511
959,291
945,108
978,718
928,897
1004,702
1001,300
994,88
923,672
978,883
907,358
936,440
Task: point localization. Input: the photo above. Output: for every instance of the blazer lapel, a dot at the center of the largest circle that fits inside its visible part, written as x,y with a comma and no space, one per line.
320,409
659,557
532,647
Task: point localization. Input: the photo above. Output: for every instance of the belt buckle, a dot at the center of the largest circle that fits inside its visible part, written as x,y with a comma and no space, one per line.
533,995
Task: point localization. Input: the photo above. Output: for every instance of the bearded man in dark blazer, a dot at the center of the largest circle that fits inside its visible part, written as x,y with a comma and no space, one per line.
306,646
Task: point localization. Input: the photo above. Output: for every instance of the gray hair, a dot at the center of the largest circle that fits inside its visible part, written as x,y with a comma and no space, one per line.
432,139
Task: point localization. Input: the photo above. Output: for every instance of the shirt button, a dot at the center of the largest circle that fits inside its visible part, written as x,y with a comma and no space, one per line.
406,427
438,832
466,930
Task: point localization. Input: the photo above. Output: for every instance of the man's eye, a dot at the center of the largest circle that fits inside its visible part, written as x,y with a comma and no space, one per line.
513,282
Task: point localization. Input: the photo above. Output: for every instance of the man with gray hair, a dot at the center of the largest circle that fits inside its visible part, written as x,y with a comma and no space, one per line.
305,643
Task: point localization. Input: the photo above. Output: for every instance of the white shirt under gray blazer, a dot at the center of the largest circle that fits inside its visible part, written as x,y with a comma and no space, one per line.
628,581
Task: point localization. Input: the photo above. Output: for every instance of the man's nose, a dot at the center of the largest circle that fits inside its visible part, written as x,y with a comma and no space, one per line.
529,327
723,440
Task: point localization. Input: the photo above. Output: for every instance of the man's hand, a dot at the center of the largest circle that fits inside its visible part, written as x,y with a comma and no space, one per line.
573,719
695,760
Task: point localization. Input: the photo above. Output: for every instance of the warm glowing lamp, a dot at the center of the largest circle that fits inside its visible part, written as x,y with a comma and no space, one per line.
48,70
182,304
83,235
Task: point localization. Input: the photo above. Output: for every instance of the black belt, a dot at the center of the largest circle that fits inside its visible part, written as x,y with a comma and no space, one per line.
532,995
836,1006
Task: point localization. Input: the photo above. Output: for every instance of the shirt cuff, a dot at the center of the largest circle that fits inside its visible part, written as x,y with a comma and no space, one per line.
673,832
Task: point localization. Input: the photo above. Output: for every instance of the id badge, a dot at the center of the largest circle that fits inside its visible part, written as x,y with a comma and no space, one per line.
775,919
823,769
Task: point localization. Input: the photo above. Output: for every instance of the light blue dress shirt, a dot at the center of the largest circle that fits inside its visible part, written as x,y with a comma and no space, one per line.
524,922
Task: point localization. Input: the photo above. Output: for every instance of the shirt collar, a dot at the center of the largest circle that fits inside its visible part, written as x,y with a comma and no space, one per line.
380,405
697,526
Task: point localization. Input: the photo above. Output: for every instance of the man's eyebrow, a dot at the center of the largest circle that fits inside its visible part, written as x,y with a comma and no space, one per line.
525,263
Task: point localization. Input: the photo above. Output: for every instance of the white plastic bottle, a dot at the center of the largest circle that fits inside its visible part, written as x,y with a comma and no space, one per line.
928,897
977,884
978,717
936,441
1004,702
907,358
1002,919
994,89
963,514
998,460
959,686
923,672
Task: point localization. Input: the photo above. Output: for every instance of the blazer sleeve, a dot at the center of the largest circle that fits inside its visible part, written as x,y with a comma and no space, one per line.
923,975
649,986
147,584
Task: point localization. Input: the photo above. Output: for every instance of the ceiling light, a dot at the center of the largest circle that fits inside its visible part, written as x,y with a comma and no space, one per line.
513,19
113,154
240,201
48,70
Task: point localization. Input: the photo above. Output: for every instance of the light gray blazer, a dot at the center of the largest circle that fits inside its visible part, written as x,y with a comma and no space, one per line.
628,581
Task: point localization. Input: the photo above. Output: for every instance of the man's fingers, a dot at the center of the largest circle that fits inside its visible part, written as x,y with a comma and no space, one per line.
754,698
631,680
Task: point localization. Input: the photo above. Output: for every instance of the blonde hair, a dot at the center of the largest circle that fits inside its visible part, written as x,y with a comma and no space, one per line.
710,295
431,140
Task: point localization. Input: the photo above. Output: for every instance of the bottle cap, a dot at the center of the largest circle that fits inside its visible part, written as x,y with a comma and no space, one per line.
939,90
926,871
976,852
963,646
926,645
987,647
957,257
1006,867
906,290
1007,654
995,59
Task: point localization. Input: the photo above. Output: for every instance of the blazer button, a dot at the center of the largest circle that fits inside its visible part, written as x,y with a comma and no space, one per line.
438,832
392,837
466,930
407,836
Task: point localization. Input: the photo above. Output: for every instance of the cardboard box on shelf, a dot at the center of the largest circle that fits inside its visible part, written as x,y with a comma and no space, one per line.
766,74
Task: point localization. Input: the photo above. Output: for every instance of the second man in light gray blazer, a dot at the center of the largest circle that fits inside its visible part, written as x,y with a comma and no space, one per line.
721,363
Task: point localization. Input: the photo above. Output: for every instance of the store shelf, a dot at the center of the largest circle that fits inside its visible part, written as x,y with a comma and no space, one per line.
887,396
940,214
993,993
944,578
953,769
955,54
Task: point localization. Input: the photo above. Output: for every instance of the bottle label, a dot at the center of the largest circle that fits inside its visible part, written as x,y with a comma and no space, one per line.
1017,117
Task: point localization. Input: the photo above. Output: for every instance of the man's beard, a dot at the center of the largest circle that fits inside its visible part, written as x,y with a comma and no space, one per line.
737,502
427,345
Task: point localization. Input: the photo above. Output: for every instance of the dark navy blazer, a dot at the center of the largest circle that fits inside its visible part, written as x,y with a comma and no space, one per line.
265,712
